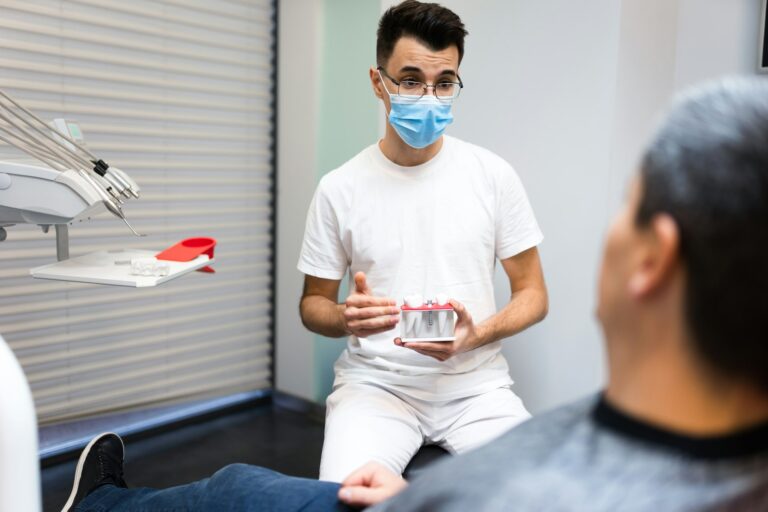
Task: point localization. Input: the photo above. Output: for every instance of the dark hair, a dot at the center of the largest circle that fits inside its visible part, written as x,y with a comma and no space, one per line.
432,24
708,168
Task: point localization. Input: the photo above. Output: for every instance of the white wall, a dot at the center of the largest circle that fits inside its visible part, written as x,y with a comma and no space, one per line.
568,92
666,46
298,61
540,82
716,37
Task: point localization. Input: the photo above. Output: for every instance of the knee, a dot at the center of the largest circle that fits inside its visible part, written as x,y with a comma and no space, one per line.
237,482
232,470
236,473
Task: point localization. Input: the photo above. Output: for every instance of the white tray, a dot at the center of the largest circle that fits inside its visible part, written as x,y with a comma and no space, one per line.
100,268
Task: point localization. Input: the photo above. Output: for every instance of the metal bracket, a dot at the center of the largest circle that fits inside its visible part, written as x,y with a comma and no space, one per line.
62,242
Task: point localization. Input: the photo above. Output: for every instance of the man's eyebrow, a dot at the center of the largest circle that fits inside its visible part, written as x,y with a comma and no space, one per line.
416,69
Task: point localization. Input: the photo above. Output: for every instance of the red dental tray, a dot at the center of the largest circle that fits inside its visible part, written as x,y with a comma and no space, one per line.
189,249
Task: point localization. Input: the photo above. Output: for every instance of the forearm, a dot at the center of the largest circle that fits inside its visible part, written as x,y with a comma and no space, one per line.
527,307
323,316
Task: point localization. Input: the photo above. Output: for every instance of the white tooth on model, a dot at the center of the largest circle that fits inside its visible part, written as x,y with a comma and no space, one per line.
410,322
411,317
442,320
442,299
414,300
450,324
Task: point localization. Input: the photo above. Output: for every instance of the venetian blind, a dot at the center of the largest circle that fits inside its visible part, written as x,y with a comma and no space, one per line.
177,93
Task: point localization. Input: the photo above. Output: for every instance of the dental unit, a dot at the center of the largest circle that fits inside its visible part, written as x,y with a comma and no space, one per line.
65,183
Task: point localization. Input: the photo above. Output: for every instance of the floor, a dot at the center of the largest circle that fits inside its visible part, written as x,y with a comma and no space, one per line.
269,436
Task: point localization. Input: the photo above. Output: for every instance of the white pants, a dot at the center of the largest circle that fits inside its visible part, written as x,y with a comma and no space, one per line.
365,422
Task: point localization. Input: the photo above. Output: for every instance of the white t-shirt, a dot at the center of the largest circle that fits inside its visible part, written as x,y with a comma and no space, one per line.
434,228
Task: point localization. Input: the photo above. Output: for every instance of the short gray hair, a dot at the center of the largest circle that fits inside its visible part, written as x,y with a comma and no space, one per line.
707,167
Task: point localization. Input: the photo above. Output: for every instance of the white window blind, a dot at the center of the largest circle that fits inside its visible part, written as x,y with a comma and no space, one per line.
178,93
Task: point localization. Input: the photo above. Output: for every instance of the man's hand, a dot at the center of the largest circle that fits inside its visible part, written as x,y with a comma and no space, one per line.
369,485
466,332
365,315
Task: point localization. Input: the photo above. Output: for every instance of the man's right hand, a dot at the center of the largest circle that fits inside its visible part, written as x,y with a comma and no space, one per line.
364,314
369,485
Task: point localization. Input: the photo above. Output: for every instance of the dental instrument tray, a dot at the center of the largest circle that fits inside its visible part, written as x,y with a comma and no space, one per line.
427,320
61,182
136,268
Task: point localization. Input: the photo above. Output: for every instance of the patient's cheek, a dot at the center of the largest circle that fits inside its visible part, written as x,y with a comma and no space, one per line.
611,272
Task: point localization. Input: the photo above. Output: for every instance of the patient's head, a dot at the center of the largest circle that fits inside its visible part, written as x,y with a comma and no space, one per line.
690,248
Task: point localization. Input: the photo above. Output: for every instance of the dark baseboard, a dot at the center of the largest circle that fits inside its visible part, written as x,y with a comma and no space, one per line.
134,435
313,410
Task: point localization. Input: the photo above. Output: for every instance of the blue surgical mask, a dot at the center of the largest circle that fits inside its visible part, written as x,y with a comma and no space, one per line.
419,122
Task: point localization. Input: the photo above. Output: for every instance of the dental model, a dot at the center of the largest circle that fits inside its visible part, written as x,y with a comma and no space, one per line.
430,320
149,267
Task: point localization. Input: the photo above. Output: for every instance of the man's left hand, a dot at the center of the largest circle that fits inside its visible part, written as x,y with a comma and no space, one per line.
465,330
369,485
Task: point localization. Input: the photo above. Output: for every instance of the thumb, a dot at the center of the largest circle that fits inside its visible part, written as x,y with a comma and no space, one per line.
359,496
361,285
462,315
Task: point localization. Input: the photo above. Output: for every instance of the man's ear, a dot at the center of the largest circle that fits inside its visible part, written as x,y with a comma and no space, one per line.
660,256
376,82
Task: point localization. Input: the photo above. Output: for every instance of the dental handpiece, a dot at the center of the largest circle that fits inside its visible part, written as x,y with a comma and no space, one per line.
57,150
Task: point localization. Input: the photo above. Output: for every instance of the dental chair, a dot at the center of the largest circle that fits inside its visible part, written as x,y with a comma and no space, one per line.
19,462
425,457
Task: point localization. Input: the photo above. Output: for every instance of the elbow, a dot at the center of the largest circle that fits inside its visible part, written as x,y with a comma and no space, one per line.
543,312
303,315
543,307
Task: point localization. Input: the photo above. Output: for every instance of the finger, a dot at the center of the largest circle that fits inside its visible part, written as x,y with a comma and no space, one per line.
444,347
435,355
361,284
359,496
462,315
366,333
359,300
399,342
361,476
355,313
379,322
419,347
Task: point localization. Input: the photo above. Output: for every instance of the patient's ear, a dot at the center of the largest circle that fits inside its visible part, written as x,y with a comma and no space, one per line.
659,257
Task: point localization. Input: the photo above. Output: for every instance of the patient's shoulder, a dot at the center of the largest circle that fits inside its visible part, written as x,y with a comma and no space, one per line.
550,425
528,443
541,434
478,476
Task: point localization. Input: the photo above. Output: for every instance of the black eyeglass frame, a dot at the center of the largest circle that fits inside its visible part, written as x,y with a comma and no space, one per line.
383,71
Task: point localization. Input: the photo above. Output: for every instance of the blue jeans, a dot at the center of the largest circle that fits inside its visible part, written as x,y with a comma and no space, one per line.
238,487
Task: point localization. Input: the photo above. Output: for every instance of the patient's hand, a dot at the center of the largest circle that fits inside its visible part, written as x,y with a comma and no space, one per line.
369,485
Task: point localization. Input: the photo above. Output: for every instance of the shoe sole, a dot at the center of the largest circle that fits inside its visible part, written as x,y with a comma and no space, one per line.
79,469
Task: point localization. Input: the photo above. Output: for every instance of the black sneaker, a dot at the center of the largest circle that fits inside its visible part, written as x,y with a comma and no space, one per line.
101,463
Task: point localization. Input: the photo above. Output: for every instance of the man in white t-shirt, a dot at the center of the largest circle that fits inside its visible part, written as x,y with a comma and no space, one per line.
418,213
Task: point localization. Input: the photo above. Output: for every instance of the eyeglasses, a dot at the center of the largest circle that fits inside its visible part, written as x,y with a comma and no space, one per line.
443,90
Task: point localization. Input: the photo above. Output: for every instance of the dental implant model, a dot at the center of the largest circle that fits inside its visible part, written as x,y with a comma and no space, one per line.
426,321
